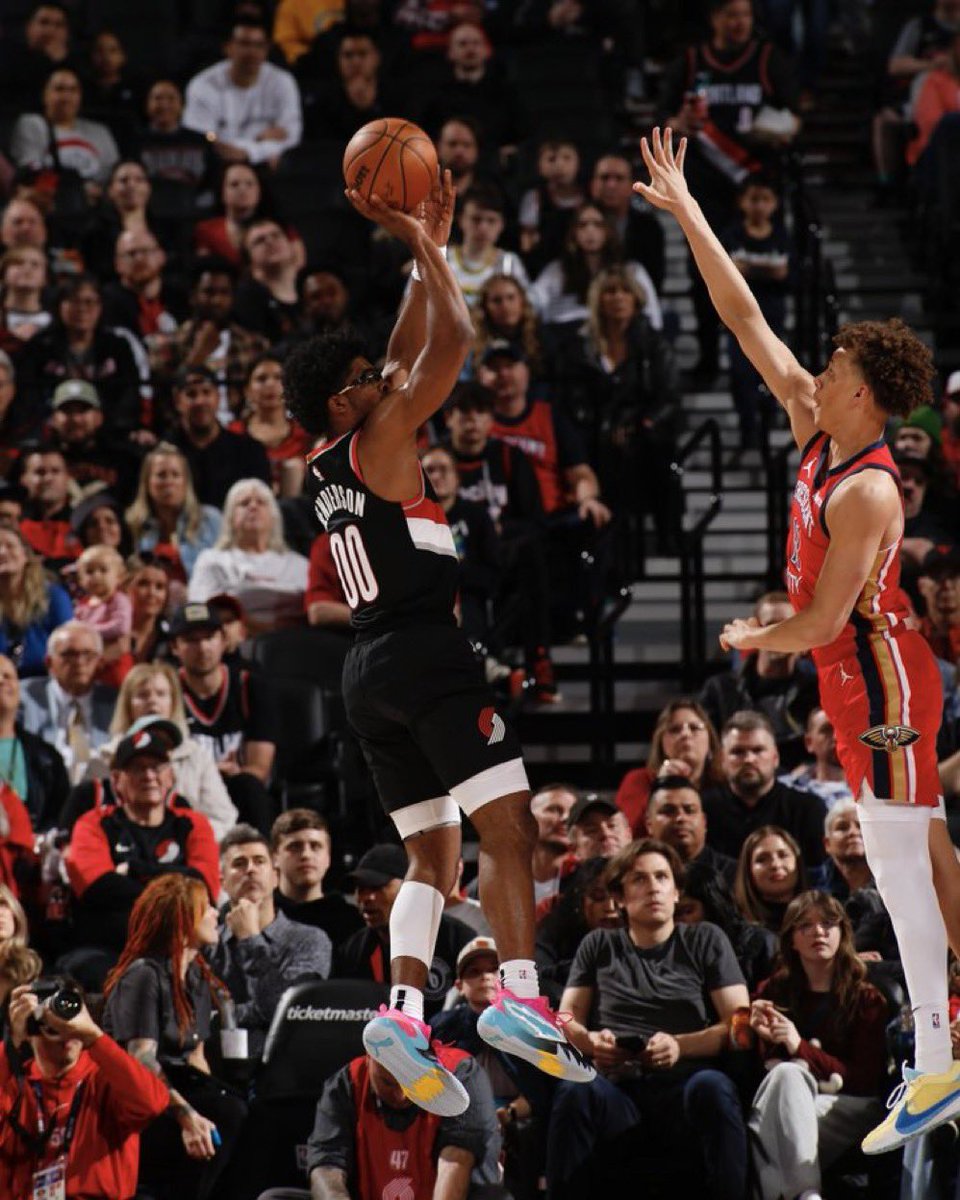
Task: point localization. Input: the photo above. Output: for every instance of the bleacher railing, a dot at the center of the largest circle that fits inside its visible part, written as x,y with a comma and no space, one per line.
693,615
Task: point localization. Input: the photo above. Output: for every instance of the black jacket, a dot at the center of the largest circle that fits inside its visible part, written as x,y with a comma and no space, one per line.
47,782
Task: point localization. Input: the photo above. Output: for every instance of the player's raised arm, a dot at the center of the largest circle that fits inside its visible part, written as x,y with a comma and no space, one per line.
435,214
732,298
448,330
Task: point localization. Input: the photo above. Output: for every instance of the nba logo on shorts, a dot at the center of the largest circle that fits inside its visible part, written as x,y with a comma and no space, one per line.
935,1020
491,726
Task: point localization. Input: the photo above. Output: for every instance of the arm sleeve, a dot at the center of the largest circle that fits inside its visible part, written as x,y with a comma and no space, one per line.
583,972
136,1095
717,959
88,857
331,1143
201,111
208,578
30,141
61,607
202,853
907,44
113,619
134,1006
547,286
474,1129
284,106
270,973
571,451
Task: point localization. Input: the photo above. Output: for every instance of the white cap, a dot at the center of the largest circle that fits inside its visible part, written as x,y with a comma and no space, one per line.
953,384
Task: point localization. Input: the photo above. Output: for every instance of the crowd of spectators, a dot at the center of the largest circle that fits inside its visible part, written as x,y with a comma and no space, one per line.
167,237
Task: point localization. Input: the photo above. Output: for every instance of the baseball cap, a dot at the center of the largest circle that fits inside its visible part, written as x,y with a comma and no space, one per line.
145,741
161,726
76,391
953,384
474,949
189,617
186,374
504,348
89,505
585,803
380,865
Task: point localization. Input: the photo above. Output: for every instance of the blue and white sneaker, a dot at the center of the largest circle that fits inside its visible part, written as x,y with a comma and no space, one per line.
531,1030
917,1105
401,1044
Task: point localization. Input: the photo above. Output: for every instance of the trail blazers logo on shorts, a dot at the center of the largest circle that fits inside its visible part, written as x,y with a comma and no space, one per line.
889,737
491,725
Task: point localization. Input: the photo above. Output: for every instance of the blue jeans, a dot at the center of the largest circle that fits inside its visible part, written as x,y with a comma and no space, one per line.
778,16
697,1119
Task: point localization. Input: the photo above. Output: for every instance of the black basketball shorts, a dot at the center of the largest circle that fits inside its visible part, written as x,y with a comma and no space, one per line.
428,726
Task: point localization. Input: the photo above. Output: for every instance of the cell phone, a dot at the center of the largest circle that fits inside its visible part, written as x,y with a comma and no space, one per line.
636,1043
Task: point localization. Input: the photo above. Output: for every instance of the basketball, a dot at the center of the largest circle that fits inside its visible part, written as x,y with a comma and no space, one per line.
394,159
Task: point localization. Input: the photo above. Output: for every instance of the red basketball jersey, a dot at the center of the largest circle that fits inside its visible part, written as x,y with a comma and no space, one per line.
534,434
881,606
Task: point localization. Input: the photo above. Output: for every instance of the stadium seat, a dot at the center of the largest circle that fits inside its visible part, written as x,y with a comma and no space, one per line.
316,1030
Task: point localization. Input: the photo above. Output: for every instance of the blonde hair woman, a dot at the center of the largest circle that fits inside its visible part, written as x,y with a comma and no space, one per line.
13,920
153,690
503,310
166,511
252,562
31,606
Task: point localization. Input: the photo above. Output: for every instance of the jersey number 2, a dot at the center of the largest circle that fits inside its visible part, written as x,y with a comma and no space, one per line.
353,566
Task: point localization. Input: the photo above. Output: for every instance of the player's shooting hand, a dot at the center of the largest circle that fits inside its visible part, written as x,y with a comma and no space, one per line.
740,635
435,214
667,188
398,224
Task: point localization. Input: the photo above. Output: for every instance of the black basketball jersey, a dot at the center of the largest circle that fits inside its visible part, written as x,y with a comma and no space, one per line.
397,562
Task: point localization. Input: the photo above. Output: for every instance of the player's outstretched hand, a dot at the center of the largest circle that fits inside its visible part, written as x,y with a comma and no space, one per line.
740,635
667,188
401,225
436,212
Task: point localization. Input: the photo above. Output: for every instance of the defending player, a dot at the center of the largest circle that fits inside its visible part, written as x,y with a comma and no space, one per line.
412,685
878,681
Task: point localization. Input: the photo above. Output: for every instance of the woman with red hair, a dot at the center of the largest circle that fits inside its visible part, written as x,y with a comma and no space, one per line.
159,999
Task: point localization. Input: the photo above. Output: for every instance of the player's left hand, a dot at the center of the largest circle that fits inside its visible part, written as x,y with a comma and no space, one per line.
740,635
435,214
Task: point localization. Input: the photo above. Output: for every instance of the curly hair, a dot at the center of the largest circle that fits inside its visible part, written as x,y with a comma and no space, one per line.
313,372
894,362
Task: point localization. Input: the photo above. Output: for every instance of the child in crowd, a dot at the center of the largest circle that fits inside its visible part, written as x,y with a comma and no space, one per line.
107,607
545,208
760,246
478,256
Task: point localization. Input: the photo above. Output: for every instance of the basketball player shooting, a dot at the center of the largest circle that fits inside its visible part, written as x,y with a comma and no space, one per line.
879,684
412,686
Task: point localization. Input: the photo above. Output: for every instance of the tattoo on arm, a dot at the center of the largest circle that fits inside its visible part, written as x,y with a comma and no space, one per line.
144,1050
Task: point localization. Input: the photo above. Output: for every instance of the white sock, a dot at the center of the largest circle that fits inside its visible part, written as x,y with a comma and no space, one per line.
520,976
407,1000
896,839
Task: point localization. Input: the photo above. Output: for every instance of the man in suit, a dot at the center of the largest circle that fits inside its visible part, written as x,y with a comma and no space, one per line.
67,708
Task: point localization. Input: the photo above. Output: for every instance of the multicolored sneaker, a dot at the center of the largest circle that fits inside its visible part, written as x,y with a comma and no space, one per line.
401,1044
917,1105
531,1030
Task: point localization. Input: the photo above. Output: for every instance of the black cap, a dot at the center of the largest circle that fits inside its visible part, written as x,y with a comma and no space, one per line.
380,865
585,804
145,741
89,505
940,563
186,374
190,617
504,348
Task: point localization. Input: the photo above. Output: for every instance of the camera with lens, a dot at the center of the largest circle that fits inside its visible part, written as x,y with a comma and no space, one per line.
58,996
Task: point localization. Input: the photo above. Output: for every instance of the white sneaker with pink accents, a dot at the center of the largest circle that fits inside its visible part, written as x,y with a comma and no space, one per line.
531,1030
